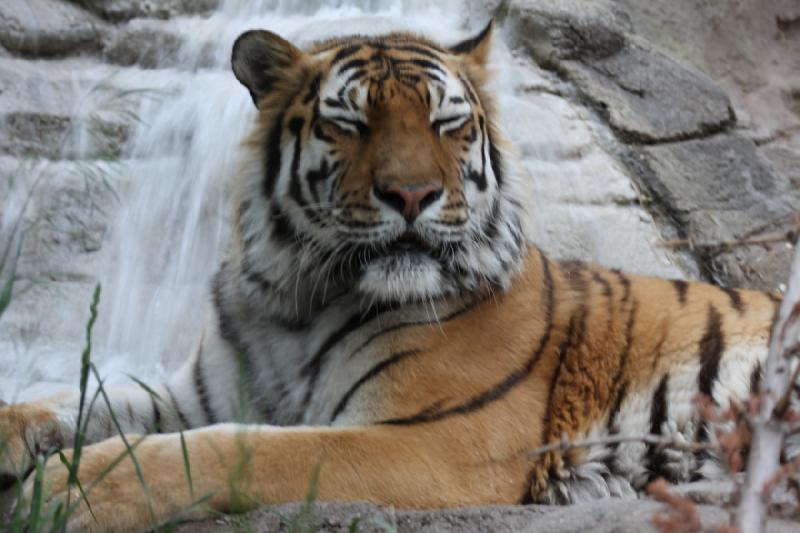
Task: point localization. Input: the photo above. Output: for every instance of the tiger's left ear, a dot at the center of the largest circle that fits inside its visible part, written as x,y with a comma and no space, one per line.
477,48
262,59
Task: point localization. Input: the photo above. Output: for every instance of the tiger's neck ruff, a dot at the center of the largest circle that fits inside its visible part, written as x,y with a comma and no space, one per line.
383,174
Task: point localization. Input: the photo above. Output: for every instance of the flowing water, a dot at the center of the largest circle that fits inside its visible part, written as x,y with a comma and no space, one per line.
171,222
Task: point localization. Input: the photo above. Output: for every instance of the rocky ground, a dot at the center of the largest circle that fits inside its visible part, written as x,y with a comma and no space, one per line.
671,140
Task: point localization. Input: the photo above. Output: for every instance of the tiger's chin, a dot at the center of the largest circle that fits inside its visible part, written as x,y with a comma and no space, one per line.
404,278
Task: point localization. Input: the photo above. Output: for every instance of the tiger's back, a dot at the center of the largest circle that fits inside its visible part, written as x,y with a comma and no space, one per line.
572,351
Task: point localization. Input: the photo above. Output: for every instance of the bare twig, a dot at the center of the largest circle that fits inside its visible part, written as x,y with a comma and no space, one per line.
681,512
769,427
769,238
657,440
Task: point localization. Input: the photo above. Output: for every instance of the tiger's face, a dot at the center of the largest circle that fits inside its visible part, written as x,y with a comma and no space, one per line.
377,162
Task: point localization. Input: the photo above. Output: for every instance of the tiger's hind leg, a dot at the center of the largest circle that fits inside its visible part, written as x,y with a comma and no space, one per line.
575,476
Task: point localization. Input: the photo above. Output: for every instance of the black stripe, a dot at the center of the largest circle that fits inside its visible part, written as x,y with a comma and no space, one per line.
470,306
200,388
273,161
428,52
353,63
422,63
439,122
322,136
362,128
681,288
612,414
338,104
562,353
701,456
736,299
473,175
354,76
225,323
607,291
471,96
314,177
619,394
313,90
373,372
295,187
282,229
156,414
626,284
434,412
495,160
181,417
313,368
344,53
711,347
659,413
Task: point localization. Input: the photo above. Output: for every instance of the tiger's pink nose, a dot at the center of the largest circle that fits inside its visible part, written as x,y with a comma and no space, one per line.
409,200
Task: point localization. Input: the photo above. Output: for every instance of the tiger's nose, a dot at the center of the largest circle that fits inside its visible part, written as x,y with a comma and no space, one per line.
409,200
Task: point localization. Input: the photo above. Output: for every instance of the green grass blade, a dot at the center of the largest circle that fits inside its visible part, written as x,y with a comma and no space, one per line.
137,467
37,499
78,483
186,466
149,390
8,286
80,428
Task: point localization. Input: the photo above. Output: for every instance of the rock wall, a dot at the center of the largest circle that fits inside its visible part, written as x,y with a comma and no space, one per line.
705,175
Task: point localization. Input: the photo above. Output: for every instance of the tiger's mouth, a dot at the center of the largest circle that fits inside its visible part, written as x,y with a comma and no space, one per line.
409,243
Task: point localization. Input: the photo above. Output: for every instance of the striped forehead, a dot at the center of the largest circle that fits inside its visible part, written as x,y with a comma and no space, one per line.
354,70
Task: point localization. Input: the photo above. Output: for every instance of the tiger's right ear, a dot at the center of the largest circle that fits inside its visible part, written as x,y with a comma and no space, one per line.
261,58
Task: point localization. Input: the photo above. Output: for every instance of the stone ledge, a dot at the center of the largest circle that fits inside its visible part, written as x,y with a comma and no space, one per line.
48,28
601,516
123,10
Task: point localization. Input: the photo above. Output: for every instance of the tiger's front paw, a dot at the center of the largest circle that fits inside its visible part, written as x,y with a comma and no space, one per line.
26,431
124,488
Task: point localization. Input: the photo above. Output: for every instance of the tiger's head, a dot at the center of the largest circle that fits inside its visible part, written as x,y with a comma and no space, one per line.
376,162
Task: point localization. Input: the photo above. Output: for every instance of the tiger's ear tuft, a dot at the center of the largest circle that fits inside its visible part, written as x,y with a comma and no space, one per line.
261,58
476,48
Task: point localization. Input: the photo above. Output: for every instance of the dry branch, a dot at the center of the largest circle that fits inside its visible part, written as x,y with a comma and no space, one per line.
769,238
769,424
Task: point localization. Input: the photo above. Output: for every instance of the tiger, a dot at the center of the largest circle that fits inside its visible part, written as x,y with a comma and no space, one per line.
382,315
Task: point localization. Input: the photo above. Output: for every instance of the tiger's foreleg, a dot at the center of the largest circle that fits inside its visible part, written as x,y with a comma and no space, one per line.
236,467
31,429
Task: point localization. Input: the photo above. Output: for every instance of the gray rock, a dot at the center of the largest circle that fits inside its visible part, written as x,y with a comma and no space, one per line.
53,136
646,96
602,516
150,46
121,10
718,190
48,28
554,31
